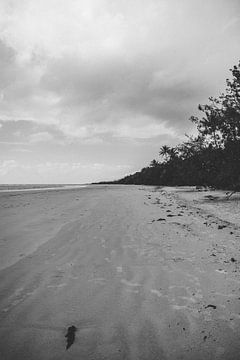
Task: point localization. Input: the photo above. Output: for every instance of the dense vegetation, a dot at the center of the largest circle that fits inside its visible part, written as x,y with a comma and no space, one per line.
212,158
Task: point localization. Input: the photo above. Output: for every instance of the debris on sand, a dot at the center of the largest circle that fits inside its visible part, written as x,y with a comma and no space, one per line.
210,197
70,335
210,306
161,219
233,260
221,226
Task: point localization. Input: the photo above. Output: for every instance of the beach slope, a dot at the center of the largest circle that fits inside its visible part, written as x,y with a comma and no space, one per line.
119,272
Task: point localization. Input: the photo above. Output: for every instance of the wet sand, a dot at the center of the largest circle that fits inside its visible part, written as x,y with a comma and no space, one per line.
140,272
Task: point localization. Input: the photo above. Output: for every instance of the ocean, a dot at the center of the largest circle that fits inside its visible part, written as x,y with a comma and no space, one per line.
38,187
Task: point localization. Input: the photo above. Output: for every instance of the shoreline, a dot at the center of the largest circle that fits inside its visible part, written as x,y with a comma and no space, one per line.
43,188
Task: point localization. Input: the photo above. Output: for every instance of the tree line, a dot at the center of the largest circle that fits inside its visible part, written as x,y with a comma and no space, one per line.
212,157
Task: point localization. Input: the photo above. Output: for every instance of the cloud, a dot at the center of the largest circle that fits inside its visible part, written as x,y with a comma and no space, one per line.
85,63
6,166
40,137
144,132
60,172
28,132
102,72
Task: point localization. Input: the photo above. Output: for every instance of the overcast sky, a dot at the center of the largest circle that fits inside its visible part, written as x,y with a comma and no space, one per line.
91,89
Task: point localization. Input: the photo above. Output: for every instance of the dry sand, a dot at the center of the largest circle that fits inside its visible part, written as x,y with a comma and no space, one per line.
142,273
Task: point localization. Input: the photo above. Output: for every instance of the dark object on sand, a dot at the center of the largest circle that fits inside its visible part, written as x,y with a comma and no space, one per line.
210,306
210,197
221,227
233,260
70,335
161,219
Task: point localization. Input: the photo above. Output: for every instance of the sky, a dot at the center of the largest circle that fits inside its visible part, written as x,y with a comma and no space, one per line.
91,89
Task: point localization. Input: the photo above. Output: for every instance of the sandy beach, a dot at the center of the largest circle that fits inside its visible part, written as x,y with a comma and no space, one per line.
141,272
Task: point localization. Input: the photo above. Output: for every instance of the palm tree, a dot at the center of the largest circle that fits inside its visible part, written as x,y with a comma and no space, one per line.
168,152
164,151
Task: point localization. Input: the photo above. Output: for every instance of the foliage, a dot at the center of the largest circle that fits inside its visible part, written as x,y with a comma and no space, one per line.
212,158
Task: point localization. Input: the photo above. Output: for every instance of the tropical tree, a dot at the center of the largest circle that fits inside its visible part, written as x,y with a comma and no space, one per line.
167,152
154,163
164,151
210,158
